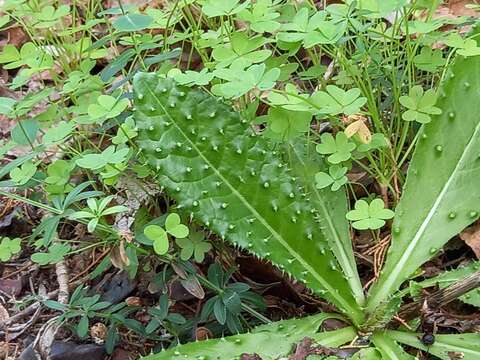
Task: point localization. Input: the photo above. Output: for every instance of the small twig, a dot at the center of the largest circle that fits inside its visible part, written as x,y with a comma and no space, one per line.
442,297
18,330
62,278
29,310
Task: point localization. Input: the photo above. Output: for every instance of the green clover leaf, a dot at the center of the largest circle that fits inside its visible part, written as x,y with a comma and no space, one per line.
369,216
108,156
59,172
174,226
465,47
194,245
6,105
242,51
159,238
429,59
55,253
15,59
337,101
125,132
21,175
285,124
48,16
377,141
190,78
311,31
59,133
107,107
420,105
339,148
335,177
213,8
261,17
240,81
9,247
290,99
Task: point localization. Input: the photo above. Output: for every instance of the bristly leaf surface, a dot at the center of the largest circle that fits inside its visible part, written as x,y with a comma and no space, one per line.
332,207
235,183
441,195
270,342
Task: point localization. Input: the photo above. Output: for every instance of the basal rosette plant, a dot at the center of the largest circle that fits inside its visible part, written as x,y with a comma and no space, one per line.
253,195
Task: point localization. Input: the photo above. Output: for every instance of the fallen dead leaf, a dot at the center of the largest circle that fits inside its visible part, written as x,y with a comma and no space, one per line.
202,333
12,287
119,257
4,316
471,236
359,128
459,7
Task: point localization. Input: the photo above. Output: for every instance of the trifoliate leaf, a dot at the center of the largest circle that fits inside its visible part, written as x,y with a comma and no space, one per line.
339,148
21,175
159,237
59,133
174,226
420,105
9,247
369,216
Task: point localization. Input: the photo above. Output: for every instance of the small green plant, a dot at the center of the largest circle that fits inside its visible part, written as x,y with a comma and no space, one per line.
96,210
193,245
9,247
339,148
420,105
335,177
55,254
369,215
159,236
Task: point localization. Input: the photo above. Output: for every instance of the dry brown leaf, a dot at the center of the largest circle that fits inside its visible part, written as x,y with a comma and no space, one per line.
471,236
202,333
192,285
119,257
359,128
4,316
459,7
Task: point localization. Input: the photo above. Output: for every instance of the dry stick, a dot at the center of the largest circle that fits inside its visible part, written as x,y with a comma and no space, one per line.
442,297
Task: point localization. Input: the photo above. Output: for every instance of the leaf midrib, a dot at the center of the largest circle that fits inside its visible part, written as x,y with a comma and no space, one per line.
354,313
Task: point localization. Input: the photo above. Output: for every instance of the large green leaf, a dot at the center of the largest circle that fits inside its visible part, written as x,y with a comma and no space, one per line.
446,346
332,207
236,184
441,195
270,341
389,348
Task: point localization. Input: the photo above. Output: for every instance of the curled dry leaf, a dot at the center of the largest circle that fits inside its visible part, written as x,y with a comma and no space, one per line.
119,257
133,301
471,236
203,333
359,128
